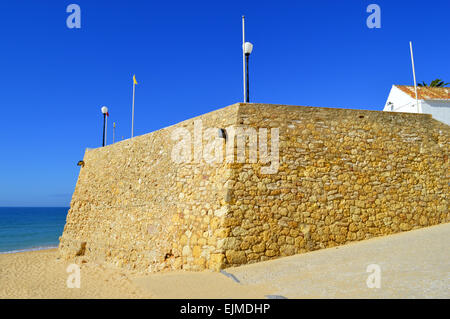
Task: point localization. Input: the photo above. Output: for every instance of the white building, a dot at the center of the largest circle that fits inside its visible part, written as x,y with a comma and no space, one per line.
434,101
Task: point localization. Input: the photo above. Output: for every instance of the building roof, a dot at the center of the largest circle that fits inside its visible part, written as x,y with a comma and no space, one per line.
426,93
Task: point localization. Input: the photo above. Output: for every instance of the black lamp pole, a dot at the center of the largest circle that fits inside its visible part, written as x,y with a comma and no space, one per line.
248,81
104,122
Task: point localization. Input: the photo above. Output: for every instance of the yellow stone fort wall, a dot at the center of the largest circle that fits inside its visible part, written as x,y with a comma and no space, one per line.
344,175
133,207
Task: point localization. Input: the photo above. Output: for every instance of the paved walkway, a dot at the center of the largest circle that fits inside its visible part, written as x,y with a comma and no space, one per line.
414,264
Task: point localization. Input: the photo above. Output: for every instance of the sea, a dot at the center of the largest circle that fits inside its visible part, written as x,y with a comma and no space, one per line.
30,228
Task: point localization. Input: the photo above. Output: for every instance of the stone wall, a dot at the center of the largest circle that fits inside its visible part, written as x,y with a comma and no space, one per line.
133,207
344,175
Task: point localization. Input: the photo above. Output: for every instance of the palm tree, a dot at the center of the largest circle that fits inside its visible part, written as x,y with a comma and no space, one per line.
438,83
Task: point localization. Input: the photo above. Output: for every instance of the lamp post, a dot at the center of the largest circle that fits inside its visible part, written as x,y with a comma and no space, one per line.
248,47
105,112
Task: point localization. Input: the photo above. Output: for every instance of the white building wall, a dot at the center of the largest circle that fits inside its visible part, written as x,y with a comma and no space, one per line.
401,102
439,110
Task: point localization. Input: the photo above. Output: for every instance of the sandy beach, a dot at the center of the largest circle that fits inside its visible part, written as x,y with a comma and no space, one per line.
414,264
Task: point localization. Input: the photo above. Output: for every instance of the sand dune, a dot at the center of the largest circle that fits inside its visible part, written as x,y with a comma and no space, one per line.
413,264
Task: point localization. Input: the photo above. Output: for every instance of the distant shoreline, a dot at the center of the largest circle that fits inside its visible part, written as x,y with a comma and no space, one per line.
65,207
28,250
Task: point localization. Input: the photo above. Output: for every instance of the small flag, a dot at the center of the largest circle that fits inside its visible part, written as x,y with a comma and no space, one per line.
134,80
107,114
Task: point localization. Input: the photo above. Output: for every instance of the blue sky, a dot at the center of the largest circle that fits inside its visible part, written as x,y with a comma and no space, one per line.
187,59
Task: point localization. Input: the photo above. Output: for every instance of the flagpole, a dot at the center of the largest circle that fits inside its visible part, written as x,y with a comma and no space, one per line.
114,131
414,75
243,56
132,116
